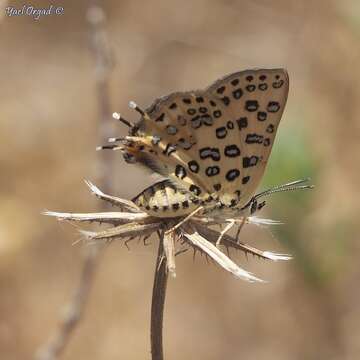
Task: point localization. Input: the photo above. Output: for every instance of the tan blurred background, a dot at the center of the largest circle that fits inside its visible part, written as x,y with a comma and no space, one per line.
49,130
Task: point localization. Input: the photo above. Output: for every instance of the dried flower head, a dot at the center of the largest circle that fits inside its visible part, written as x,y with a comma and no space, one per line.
195,233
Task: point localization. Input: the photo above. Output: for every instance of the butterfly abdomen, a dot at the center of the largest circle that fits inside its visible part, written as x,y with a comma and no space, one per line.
164,200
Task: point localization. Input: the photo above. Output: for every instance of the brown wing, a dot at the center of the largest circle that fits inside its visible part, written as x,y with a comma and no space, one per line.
215,142
254,101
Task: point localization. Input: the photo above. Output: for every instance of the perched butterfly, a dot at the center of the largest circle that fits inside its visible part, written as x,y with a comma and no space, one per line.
212,145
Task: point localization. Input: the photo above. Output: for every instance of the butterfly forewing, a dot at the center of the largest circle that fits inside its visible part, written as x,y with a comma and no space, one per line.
187,135
215,143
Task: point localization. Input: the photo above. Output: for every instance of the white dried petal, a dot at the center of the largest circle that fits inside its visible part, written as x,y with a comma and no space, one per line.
100,217
223,260
128,205
275,257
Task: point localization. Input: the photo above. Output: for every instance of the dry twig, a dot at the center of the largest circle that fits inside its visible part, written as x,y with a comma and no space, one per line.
103,65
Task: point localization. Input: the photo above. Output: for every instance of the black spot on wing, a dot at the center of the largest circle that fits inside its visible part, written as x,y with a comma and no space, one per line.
250,88
250,161
270,129
232,174
263,86
221,132
237,94
193,166
273,106
267,142
226,100
233,202
185,204
245,180
194,200
278,84
230,125
217,113
232,151
251,105
208,152
212,171
196,122
217,187
261,115
195,189
207,120
254,138
180,171
171,129
242,123
169,149
186,145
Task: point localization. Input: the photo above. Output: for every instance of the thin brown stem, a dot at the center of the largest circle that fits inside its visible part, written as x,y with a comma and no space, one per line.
103,65
158,302
104,62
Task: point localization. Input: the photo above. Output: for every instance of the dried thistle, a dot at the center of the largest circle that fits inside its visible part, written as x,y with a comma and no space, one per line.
176,236
196,233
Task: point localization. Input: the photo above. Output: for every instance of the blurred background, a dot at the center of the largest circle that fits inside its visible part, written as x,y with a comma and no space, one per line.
49,125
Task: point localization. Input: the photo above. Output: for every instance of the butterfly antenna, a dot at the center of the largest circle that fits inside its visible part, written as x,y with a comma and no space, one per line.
117,116
296,182
108,147
133,105
291,186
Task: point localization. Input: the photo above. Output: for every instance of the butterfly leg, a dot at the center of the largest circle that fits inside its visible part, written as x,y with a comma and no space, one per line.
243,221
223,232
184,220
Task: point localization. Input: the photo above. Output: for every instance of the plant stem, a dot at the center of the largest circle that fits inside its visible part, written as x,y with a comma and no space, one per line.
158,302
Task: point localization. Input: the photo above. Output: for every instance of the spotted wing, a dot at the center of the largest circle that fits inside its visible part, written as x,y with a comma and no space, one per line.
176,140
214,142
252,104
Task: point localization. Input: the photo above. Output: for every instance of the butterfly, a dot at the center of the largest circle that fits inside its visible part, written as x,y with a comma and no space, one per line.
210,145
